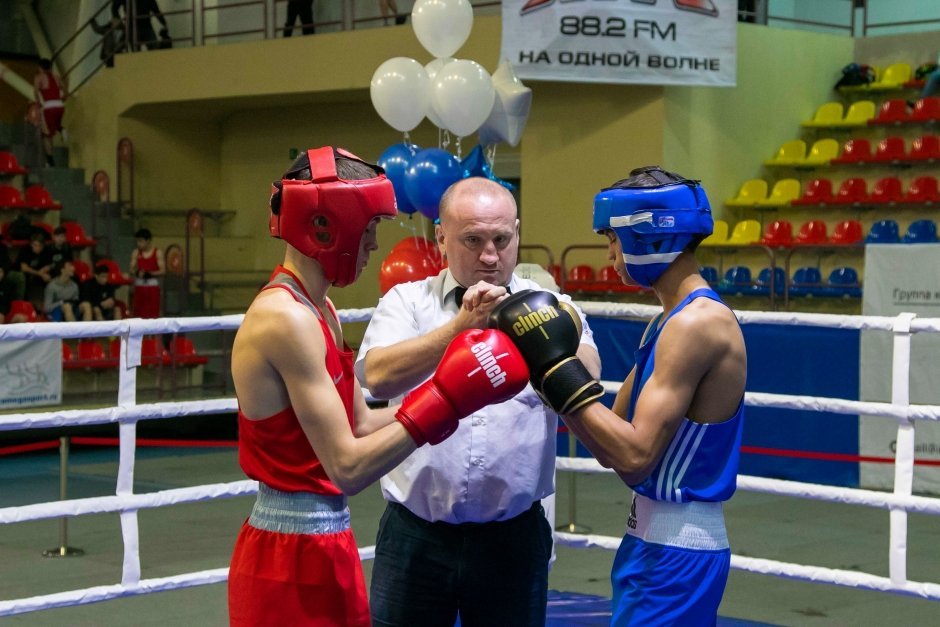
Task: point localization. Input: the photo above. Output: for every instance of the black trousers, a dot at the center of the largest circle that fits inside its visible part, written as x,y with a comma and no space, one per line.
302,9
492,573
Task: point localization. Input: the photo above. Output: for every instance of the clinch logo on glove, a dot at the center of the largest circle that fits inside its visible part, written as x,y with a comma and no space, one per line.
487,361
534,320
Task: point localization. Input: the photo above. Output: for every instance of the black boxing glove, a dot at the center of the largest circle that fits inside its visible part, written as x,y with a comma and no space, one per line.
547,334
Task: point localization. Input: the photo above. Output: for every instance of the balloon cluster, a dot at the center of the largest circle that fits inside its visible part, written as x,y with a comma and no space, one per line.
456,95
412,259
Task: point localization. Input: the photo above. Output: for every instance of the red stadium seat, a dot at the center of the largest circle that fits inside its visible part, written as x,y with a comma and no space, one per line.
923,189
817,192
926,110
886,191
847,232
183,353
779,233
854,151
115,276
852,191
76,236
9,166
580,278
82,270
25,308
39,198
812,232
67,355
926,148
152,352
890,149
91,356
608,274
892,111
10,198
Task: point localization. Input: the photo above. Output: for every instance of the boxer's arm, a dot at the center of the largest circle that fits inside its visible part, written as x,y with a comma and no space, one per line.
633,449
397,368
368,420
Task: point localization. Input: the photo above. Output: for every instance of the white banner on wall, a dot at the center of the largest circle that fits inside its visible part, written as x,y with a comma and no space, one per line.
900,278
30,373
653,42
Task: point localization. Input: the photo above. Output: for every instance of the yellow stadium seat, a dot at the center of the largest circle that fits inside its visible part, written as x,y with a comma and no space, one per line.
745,232
751,191
828,114
792,152
859,113
822,152
894,76
719,235
784,191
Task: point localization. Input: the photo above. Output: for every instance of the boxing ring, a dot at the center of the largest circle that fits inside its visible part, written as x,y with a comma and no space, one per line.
127,413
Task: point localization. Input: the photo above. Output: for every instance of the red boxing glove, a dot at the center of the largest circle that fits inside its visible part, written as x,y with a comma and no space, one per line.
480,367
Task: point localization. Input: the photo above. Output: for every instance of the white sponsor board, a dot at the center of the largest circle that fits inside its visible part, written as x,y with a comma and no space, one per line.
30,373
654,42
900,278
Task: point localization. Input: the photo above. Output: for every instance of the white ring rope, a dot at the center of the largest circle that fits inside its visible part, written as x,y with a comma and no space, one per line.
128,413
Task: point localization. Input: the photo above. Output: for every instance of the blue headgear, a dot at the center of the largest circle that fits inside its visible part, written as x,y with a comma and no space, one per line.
654,224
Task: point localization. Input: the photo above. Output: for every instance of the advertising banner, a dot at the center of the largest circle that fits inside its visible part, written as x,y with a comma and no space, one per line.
653,42
31,373
900,278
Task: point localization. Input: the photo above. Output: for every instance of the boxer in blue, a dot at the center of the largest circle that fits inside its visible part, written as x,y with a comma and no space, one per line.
674,430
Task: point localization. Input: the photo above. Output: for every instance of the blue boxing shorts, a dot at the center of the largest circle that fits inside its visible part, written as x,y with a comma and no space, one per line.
672,566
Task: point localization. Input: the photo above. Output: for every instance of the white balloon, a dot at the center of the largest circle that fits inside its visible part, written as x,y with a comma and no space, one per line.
510,108
442,26
400,91
432,69
462,96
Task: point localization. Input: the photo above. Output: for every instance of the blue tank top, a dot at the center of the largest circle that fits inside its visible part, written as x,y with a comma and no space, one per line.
701,461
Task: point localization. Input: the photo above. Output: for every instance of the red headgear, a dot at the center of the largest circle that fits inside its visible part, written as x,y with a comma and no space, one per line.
324,217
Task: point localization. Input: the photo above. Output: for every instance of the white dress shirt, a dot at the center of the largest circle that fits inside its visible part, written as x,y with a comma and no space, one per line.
501,459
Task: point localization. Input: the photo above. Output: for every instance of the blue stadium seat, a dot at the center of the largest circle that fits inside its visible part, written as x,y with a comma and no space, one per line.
921,232
762,284
843,282
806,282
737,281
710,274
884,232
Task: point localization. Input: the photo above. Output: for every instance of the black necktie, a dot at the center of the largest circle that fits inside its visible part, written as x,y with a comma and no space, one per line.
460,290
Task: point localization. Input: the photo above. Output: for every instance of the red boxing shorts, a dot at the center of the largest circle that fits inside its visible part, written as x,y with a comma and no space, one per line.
280,579
52,120
146,303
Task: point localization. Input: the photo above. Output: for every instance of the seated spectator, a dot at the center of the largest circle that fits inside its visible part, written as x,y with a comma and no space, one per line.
6,299
21,228
13,282
60,300
35,262
98,301
60,250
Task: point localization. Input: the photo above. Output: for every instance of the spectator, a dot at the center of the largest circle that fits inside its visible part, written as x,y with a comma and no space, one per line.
7,296
147,267
35,262
60,250
112,39
142,33
13,282
302,9
49,91
60,301
98,301
389,7
21,228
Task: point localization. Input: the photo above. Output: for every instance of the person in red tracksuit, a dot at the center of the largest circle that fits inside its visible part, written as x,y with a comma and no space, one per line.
305,432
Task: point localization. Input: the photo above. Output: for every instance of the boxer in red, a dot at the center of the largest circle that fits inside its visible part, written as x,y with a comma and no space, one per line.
305,431
49,91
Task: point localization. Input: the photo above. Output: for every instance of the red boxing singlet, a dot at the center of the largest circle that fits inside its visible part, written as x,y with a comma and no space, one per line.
147,291
286,577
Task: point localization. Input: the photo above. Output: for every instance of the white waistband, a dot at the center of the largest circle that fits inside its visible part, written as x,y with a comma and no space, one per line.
53,104
695,525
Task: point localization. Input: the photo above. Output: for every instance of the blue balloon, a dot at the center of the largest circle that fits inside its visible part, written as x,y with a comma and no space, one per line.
476,164
429,174
395,162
